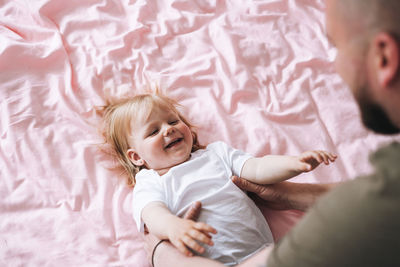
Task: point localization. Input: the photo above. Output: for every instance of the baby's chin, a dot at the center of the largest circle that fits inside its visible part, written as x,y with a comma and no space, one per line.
181,160
164,169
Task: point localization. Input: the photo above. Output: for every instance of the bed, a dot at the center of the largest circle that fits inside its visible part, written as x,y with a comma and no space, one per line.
258,75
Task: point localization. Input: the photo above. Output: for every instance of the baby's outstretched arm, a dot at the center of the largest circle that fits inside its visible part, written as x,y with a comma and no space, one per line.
182,233
272,169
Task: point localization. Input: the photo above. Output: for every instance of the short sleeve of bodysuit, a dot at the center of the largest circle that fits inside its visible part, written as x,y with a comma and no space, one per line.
234,158
147,189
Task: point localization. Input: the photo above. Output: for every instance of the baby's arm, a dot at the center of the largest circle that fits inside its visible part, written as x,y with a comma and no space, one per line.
272,169
182,233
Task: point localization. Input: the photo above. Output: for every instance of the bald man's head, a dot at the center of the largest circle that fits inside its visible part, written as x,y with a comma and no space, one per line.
374,15
366,34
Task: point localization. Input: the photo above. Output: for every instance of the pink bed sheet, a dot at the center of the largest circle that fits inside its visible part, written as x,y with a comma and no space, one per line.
255,74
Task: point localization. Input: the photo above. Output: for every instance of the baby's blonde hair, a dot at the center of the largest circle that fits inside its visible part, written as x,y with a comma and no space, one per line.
117,118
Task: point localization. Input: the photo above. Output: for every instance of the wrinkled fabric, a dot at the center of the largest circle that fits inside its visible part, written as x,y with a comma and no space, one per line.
257,75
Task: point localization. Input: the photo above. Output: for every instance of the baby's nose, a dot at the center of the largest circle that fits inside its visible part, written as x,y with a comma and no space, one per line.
168,130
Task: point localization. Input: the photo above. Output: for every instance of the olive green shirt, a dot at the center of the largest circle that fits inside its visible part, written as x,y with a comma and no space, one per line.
356,224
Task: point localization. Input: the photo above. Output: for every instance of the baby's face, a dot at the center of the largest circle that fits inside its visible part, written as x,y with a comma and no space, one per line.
161,141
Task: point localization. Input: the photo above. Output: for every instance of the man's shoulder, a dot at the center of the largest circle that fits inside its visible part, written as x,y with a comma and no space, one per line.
387,157
355,224
370,199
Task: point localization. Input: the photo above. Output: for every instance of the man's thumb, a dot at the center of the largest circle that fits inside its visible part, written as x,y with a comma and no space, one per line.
193,212
245,185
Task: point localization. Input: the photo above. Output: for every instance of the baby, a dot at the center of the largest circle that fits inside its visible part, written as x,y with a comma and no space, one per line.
170,170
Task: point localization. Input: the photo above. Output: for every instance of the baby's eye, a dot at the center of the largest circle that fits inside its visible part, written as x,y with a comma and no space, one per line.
154,132
173,122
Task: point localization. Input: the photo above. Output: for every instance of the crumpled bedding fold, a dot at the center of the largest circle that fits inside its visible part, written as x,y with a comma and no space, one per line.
257,75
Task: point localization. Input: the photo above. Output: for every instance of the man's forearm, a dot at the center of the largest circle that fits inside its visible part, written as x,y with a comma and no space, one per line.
285,195
259,259
301,196
166,255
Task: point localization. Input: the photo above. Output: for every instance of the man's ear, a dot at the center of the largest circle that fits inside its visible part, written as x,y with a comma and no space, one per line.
135,158
387,58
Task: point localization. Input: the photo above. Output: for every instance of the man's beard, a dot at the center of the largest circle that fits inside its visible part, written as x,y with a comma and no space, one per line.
373,116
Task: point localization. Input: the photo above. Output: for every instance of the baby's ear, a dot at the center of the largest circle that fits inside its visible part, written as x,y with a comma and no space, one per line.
135,158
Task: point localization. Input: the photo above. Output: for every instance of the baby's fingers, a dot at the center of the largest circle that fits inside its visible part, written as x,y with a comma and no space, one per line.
180,245
313,158
324,156
200,236
189,242
319,156
328,157
332,156
205,228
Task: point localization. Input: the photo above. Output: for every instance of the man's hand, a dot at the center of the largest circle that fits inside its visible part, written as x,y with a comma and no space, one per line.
273,195
284,195
193,212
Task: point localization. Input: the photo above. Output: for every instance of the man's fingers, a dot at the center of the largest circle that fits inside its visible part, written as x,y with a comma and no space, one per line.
193,212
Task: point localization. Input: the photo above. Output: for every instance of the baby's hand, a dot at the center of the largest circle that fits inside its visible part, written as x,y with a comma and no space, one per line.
185,233
309,160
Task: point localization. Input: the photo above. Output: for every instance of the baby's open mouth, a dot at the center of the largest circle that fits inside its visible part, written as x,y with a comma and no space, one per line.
176,141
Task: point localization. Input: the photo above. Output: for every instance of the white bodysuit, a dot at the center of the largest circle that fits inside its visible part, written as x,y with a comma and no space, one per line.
205,177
